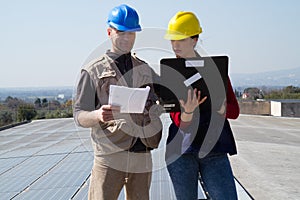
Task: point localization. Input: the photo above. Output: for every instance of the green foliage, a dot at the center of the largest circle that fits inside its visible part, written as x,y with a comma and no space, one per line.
59,114
41,114
38,103
54,109
26,112
13,103
44,102
14,109
6,117
289,92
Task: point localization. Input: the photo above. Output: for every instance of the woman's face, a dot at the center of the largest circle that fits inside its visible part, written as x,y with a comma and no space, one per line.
184,48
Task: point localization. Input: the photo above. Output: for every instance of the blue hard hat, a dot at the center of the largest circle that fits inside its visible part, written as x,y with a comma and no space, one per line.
124,18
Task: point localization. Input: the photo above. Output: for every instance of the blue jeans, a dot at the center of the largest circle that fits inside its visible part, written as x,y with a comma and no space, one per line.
215,172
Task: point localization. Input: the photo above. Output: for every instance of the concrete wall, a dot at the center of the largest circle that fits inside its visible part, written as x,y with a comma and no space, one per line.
290,109
276,108
255,107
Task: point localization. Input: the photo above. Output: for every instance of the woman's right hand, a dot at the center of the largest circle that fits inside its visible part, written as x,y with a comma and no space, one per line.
193,101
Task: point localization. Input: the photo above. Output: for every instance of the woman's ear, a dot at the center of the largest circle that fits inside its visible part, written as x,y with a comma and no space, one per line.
195,40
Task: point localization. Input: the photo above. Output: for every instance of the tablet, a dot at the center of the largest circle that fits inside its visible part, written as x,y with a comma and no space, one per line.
207,74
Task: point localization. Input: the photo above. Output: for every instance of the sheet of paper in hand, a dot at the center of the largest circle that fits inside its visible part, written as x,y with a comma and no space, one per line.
131,100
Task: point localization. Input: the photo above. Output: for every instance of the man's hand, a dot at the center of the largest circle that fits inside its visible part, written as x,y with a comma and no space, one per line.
107,112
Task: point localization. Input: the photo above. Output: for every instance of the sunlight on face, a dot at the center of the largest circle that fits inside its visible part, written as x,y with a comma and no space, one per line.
184,48
122,42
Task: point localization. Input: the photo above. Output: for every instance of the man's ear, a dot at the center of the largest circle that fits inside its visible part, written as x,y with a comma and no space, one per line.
109,32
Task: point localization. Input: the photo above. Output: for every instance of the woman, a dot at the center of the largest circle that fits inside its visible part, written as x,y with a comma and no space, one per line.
214,168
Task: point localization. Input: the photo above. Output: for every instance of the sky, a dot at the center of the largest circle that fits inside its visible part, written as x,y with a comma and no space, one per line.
45,43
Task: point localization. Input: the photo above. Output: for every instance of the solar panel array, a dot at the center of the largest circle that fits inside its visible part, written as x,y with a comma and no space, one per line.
52,159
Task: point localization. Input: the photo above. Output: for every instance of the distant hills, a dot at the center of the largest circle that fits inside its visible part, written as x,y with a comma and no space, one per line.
31,93
278,78
270,79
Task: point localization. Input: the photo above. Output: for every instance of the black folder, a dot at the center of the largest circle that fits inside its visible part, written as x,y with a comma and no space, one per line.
207,74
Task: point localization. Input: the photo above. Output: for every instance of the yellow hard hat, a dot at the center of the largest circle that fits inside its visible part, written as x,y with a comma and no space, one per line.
183,25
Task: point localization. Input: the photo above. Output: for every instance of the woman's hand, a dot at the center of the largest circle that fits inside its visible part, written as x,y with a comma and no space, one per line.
222,110
193,101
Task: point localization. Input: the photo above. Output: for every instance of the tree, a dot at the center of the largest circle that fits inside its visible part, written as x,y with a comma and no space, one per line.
26,112
289,92
291,89
38,103
5,118
68,103
237,93
54,105
44,102
13,103
67,109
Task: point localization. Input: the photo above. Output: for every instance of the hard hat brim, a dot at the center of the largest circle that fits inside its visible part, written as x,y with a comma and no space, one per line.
169,36
175,35
124,28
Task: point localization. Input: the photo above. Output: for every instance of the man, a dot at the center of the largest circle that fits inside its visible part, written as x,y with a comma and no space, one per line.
121,141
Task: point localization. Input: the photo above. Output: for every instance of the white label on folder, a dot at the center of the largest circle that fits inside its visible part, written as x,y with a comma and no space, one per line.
192,79
194,63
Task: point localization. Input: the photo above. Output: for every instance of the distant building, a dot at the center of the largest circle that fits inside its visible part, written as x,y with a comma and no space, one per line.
252,94
60,97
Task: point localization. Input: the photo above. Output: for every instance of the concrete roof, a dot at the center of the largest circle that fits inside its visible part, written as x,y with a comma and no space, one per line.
52,159
268,160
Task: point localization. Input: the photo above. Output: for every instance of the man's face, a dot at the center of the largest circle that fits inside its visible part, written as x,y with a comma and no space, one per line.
122,42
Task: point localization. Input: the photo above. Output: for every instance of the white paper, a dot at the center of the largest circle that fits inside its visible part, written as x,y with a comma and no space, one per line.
192,79
131,100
